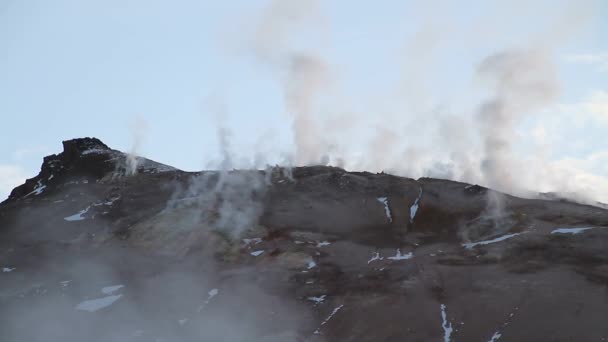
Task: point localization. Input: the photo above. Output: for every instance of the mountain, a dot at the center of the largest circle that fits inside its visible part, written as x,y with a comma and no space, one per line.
104,246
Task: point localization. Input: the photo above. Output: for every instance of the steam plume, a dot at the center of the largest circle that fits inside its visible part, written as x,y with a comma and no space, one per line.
138,131
524,81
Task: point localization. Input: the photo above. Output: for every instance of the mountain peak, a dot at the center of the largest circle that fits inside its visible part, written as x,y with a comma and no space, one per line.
83,145
83,158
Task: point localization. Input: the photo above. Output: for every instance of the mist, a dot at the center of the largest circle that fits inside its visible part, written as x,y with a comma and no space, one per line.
407,127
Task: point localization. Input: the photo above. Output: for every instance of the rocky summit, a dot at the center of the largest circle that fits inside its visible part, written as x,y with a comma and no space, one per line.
107,246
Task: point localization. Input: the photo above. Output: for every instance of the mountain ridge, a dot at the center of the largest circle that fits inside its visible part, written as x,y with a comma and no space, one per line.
291,254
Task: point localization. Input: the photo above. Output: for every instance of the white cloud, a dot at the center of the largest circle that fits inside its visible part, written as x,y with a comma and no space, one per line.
568,154
599,60
10,177
592,110
594,163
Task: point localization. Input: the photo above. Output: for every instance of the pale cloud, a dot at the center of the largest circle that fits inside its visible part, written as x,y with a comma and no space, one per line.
597,105
10,177
599,60
596,163
580,176
563,150
592,109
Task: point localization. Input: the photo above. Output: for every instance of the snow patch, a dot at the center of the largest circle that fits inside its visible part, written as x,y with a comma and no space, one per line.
335,311
375,256
414,207
111,289
495,337
252,241
446,325
78,216
212,293
108,202
400,256
93,305
470,245
256,253
38,189
387,210
323,243
7,269
94,150
311,264
317,300
572,231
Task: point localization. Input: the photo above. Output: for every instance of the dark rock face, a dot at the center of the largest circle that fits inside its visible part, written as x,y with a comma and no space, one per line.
85,156
307,254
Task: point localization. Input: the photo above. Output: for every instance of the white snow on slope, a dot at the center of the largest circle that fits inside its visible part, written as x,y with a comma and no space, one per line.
387,210
570,230
400,256
7,269
414,207
38,189
446,325
311,264
212,293
252,241
318,331
94,150
317,300
495,337
108,202
93,305
323,243
111,289
78,216
256,253
470,245
375,256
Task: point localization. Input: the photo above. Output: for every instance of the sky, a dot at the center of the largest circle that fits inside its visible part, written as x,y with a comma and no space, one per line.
395,85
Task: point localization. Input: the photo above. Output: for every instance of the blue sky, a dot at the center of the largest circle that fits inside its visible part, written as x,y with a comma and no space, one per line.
73,68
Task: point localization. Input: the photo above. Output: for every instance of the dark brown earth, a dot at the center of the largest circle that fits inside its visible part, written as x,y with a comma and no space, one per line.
172,237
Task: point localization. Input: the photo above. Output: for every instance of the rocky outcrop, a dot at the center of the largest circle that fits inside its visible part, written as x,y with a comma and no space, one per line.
84,158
